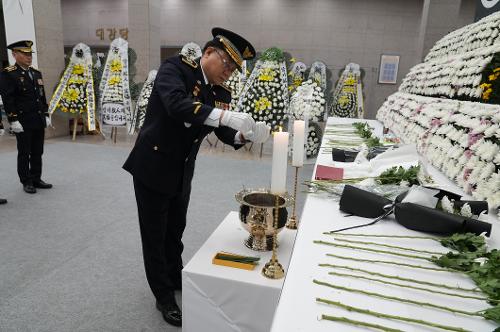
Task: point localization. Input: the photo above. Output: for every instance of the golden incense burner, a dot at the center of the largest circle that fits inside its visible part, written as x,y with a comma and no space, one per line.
257,216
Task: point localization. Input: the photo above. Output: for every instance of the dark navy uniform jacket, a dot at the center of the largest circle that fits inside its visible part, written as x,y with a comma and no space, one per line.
164,154
23,97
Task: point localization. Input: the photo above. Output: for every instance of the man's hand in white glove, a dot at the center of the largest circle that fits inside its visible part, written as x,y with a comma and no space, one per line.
241,122
16,127
2,131
48,122
259,133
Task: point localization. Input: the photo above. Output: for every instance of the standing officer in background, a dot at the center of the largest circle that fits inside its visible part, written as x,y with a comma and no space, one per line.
2,132
188,101
23,95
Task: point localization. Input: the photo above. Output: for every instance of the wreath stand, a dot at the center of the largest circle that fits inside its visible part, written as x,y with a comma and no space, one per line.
114,133
75,126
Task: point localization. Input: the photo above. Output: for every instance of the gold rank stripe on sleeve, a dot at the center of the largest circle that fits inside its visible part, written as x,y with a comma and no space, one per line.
189,62
197,107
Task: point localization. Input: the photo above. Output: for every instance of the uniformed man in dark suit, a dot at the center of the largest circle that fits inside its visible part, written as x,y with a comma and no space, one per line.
23,95
2,132
189,100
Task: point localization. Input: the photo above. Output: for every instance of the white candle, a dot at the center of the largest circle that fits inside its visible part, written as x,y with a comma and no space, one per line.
298,143
280,163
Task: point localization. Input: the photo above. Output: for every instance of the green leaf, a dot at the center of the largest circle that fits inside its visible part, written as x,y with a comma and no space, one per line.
492,314
467,242
460,262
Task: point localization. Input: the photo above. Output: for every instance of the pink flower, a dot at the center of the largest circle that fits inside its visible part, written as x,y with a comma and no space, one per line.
435,122
468,153
467,172
473,138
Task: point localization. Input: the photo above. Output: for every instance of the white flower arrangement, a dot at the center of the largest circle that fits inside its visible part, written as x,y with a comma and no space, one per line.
74,94
142,101
115,101
483,33
313,141
236,83
308,99
455,138
265,95
456,76
296,75
346,98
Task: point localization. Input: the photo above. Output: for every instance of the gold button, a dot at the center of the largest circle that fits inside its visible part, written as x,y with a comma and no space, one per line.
196,141
186,159
155,148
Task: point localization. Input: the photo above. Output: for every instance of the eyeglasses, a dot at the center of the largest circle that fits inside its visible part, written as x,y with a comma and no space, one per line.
227,65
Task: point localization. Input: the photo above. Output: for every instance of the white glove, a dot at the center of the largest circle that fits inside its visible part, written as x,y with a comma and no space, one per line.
2,131
16,127
48,122
241,122
259,133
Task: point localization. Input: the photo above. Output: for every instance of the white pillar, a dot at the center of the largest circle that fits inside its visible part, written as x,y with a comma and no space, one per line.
19,24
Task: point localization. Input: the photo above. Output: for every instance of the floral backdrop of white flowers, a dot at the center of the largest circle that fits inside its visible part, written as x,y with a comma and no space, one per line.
469,38
458,137
449,107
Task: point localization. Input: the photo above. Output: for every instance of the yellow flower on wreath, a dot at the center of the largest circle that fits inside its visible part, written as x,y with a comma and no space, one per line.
487,90
494,76
350,81
262,104
76,79
114,80
343,100
71,94
267,74
78,69
116,65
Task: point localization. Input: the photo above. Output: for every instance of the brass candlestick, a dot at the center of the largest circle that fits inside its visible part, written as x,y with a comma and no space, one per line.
273,269
292,221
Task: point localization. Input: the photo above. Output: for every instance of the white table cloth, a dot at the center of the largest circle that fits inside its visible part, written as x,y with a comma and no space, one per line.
219,298
297,308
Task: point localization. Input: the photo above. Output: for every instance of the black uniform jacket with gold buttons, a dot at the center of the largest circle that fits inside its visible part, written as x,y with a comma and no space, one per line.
23,97
164,154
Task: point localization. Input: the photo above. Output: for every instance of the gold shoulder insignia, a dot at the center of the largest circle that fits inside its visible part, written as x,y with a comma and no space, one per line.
189,61
225,87
247,53
10,68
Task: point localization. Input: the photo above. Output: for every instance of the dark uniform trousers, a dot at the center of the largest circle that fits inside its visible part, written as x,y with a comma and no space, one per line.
162,164
162,220
29,154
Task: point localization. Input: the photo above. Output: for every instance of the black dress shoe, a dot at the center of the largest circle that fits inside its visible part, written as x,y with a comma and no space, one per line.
3,201
41,184
171,312
29,188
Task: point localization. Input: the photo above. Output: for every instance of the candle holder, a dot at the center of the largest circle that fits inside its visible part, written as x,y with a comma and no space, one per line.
292,221
273,269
